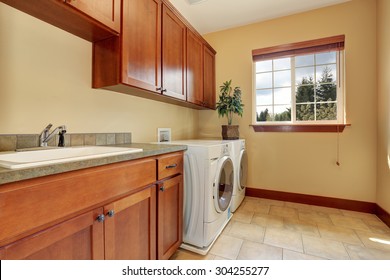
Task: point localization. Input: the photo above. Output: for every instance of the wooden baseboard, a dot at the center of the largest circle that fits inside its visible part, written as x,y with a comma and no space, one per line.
361,206
383,215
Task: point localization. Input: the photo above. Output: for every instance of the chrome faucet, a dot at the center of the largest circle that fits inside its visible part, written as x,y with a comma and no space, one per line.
46,135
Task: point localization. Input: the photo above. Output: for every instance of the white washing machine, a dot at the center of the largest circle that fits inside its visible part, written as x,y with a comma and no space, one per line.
208,190
240,160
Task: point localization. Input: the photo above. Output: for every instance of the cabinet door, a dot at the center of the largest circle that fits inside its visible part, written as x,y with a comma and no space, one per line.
170,217
80,238
173,55
141,44
106,12
209,78
130,227
194,69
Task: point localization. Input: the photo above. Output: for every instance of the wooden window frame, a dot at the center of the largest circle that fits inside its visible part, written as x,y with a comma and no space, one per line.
334,43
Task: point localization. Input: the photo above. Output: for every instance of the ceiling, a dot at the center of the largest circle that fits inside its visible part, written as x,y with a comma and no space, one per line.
215,15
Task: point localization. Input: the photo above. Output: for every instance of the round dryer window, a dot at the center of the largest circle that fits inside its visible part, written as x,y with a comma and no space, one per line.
243,172
223,188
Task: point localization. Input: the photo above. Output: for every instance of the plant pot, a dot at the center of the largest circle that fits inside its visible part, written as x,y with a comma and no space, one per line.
230,132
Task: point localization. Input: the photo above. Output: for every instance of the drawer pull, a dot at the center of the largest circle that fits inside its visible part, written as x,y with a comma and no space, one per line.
111,213
162,188
171,166
100,218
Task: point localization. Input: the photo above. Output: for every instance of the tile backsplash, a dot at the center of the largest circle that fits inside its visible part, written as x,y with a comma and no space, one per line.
11,142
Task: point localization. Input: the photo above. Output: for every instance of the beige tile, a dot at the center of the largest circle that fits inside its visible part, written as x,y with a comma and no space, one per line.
182,254
8,143
76,139
271,202
362,253
256,251
292,255
284,238
315,217
327,210
324,248
348,222
282,211
308,228
227,247
341,234
243,216
101,139
251,232
298,206
251,198
255,206
265,220
90,139
375,240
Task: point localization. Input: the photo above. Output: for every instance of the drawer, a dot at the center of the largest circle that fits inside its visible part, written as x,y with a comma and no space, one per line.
30,205
169,165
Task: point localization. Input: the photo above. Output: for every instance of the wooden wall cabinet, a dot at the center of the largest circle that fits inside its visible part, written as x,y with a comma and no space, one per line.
149,59
107,212
92,20
200,72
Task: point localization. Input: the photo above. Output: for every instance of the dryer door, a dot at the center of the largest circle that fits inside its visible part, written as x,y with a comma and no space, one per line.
243,172
223,185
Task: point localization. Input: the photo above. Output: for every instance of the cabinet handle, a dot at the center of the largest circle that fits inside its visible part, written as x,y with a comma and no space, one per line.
162,188
159,88
164,90
100,218
111,213
171,166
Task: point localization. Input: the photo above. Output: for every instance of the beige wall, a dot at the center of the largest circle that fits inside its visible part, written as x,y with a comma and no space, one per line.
45,76
306,162
383,191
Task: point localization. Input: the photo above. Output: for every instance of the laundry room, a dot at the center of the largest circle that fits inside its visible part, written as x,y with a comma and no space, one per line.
91,96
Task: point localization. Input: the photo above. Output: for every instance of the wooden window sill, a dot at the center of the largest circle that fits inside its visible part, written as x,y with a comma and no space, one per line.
300,127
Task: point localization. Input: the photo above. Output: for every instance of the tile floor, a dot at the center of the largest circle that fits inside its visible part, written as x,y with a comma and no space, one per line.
263,229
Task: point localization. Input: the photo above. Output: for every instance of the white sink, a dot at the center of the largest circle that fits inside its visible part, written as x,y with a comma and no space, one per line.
25,159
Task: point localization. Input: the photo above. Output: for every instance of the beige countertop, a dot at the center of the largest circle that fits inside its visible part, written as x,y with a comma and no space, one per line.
9,175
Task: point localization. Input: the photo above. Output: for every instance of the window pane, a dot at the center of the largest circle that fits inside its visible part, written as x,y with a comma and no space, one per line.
264,97
282,63
282,78
304,60
304,93
326,73
263,113
326,111
264,66
282,96
263,80
304,75
305,112
282,113
326,58
326,92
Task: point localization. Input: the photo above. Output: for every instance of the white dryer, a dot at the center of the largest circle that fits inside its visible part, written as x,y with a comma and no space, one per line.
208,189
240,160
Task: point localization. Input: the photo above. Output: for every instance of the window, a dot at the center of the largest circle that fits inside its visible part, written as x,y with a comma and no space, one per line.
300,83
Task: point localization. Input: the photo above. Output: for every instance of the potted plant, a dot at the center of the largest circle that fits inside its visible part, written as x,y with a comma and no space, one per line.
229,103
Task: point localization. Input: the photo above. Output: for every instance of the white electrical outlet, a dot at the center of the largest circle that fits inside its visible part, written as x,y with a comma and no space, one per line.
163,135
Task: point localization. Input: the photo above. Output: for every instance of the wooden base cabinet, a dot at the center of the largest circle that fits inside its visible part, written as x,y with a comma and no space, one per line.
80,238
130,227
109,212
169,217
